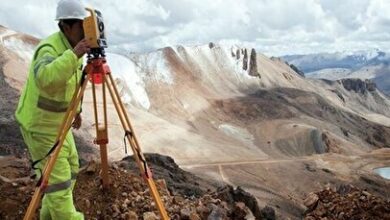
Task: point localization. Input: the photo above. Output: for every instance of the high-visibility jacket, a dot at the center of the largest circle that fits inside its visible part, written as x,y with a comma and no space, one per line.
52,79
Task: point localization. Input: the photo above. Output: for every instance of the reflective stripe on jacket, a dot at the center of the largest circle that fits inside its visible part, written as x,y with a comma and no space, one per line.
53,76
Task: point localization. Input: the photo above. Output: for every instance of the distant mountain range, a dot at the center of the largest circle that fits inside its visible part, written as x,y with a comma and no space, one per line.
371,64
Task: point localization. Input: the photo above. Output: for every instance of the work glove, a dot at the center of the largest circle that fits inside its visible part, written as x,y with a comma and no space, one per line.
77,121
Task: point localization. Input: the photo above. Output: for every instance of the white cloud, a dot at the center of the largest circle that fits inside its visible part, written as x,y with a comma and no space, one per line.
274,27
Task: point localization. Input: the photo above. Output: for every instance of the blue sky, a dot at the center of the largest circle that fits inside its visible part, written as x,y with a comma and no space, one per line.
274,27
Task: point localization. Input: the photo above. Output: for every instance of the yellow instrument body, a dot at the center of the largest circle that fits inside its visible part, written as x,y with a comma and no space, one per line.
94,29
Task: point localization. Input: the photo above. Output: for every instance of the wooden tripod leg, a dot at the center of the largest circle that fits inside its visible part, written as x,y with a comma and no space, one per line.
132,138
102,135
64,128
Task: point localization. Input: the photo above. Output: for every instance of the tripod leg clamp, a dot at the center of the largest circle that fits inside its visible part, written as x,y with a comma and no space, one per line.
101,136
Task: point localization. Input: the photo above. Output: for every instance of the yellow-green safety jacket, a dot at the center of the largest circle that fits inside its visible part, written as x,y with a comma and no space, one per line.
53,76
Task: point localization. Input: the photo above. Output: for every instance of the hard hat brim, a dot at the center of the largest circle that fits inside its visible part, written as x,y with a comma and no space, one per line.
71,17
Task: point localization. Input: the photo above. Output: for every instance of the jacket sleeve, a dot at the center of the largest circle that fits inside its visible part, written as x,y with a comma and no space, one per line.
51,71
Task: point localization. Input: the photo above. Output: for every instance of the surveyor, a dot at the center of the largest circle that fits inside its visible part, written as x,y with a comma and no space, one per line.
55,71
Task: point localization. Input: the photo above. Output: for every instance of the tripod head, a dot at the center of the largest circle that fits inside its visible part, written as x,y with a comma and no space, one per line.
96,53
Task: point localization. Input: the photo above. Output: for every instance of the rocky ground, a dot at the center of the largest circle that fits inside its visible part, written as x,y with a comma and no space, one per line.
128,196
185,196
346,202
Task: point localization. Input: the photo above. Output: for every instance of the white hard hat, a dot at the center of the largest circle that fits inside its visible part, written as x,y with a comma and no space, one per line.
70,9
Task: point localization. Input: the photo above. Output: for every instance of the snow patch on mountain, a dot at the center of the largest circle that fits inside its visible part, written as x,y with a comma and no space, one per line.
22,49
153,66
4,33
129,81
239,62
220,56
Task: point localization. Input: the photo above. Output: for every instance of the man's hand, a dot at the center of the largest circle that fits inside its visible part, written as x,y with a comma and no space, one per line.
81,48
77,121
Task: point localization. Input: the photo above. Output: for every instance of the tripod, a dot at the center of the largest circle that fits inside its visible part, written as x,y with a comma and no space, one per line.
97,72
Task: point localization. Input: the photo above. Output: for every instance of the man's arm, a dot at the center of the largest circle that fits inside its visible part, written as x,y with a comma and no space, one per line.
52,72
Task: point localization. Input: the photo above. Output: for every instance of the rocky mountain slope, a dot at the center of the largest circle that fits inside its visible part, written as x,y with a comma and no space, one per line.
232,116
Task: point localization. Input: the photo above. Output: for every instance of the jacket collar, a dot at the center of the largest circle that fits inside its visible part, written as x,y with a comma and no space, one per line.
65,40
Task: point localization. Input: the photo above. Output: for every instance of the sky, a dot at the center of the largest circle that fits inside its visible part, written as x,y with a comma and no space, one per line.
273,27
